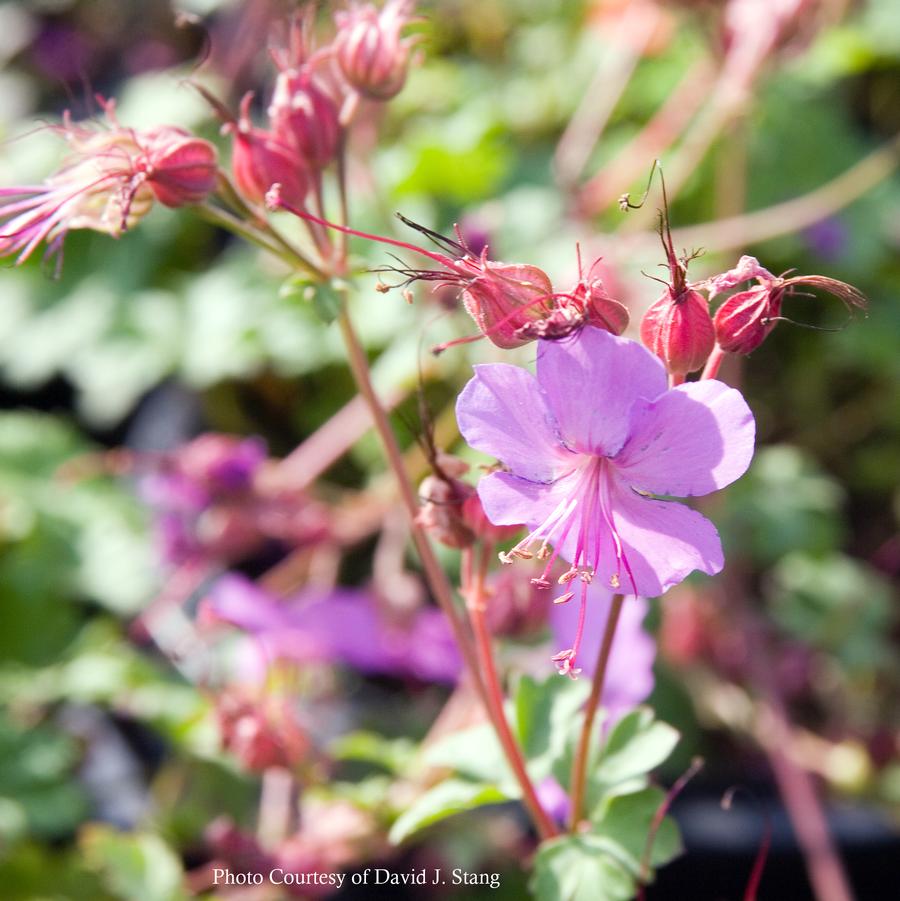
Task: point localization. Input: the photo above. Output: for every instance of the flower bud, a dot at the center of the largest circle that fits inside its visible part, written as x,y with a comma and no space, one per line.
261,734
745,320
441,514
304,116
679,330
181,169
476,519
260,159
506,297
370,53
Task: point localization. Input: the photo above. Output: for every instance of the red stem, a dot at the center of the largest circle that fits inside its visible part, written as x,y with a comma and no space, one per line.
475,604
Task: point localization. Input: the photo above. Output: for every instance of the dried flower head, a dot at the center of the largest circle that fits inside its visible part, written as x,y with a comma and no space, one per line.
108,183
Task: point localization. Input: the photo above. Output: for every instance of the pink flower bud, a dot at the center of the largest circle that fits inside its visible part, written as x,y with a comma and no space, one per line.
304,116
261,159
261,733
745,320
504,298
679,330
441,514
181,169
370,53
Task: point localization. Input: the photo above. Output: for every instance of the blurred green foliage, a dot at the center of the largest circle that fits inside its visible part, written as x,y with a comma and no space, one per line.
471,138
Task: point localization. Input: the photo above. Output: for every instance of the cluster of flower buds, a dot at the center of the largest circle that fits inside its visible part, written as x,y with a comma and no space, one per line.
109,182
315,92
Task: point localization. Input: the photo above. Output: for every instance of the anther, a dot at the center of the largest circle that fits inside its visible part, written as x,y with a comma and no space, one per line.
567,576
564,598
540,583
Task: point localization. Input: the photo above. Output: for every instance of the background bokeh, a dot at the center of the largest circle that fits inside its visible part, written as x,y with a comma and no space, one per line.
176,329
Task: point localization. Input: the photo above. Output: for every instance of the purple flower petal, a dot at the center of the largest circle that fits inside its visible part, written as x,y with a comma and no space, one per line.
692,440
509,500
591,383
501,412
663,541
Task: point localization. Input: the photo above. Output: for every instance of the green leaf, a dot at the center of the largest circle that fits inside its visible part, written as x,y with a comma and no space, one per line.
476,754
637,744
580,868
393,755
328,298
543,712
626,820
444,800
133,866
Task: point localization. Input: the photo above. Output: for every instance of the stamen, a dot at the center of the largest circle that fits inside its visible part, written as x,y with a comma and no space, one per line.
540,583
564,598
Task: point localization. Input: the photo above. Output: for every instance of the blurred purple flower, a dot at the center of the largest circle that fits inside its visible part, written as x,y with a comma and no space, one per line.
827,239
344,625
629,674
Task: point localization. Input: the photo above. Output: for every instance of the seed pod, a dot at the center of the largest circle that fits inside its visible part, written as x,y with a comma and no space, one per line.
679,330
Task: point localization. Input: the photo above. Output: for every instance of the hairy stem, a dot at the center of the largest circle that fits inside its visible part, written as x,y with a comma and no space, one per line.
711,370
474,591
582,754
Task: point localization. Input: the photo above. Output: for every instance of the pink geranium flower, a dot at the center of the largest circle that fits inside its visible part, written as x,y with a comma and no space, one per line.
590,445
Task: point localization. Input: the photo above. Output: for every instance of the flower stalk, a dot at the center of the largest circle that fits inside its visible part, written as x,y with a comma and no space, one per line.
582,754
474,591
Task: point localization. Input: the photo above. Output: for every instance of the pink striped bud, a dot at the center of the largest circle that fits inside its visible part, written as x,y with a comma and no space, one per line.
260,159
304,116
370,52
679,330
745,320
181,169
